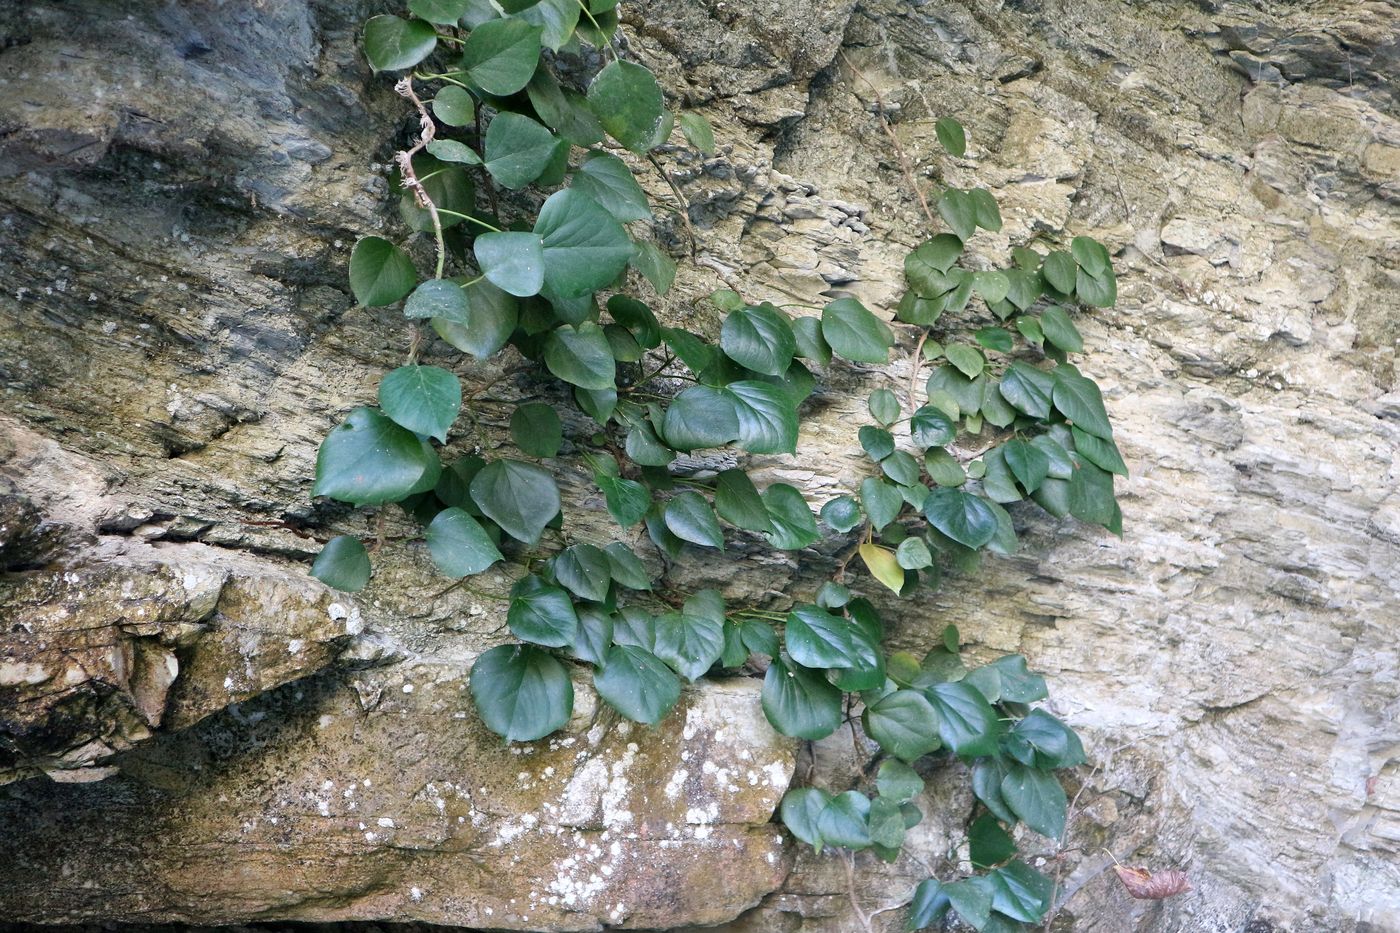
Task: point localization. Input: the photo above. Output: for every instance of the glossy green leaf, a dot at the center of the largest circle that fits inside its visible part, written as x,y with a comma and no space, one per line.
884,406
1079,400
1020,892
882,502
380,272
514,262
759,637
818,639
536,429
876,442
854,333
930,905
1060,330
370,460
898,781
450,150
1090,255
521,692
445,12
885,823
626,568
987,775
609,181
459,545
595,634
1055,744
969,360
800,702
738,502
959,210
989,843
794,525
637,684
930,427
1102,453
1059,270
645,448
701,417
690,644
500,56
767,417
541,613
1027,389
842,513
556,19
520,497
994,338
690,518
993,286
965,518
1100,292
491,319
800,810
904,723
518,150
972,899
629,104
392,43
634,627
843,821
584,570
967,723
627,500
581,356
901,467
951,136
423,399
343,564
563,110
438,298
584,247
1028,463
455,107
759,338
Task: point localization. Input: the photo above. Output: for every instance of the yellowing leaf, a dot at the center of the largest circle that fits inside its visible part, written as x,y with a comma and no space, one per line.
883,566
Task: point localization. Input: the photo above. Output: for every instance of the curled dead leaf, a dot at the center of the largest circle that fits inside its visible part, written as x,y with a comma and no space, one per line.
1144,885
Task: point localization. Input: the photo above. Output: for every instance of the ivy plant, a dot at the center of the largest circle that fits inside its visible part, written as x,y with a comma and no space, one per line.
1003,417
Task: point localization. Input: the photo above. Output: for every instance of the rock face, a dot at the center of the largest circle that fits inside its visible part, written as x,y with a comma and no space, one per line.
179,187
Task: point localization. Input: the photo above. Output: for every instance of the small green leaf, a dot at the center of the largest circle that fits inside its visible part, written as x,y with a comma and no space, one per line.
967,723
992,286
423,399
1028,463
562,110
904,723
491,320
1059,270
655,266
584,570
438,298
951,136
877,442
541,613
609,181
627,569
450,150
459,545
759,338
521,692
854,333
1079,400
500,56
455,107
930,905
581,356
967,519
842,513
989,843
645,448
1091,256
520,497
628,102
902,468
959,210
380,272
898,781
931,427
343,564
738,502
969,360
884,406
799,702
943,469
988,213
634,627
370,460
1020,892
536,429
392,43
1060,330
512,261
627,500
885,822
1028,389
1018,684
595,634
584,247
995,338
697,132
843,821
913,554
701,417
637,684
690,518
801,808
794,526
882,502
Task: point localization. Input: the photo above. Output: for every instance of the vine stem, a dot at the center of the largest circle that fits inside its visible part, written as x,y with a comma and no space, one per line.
404,157
914,367
851,889
685,205
905,165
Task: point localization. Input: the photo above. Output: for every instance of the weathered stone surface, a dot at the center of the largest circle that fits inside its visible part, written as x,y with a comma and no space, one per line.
181,188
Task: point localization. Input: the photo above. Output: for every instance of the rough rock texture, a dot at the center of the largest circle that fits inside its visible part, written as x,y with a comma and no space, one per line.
179,186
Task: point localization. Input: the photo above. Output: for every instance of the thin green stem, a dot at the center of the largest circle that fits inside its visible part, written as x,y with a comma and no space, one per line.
607,48
475,220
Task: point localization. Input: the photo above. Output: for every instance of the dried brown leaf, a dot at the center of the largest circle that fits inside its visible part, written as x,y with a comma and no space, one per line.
1144,885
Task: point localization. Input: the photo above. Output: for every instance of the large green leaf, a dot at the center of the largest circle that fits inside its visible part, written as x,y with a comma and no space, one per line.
1059,270
521,692
690,643
701,417
500,56
609,181
959,209
392,43
541,613
882,502
536,429
794,525
843,821
967,723
1060,330
690,518
370,460
512,261
965,518
585,571
584,247
424,399
759,338
767,417
854,333
818,639
637,684
1079,400
1029,464
557,19
343,563
1054,743
438,298
629,104
800,810
898,781
1020,892
1091,255
800,702
904,723
518,150
581,356
563,110
738,502
627,499
1028,389
520,497
380,272
459,545
930,426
